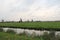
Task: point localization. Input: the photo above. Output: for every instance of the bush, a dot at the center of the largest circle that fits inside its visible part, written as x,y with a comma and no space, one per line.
1,30
58,36
46,36
50,36
33,34
11,31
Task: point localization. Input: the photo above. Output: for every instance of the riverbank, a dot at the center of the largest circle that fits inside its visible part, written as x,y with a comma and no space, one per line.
9,36
26,34
33,25
29,32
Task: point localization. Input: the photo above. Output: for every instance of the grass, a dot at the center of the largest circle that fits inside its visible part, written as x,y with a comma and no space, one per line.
10,36
32,25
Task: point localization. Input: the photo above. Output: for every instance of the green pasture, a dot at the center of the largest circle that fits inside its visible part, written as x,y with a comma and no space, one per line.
32,25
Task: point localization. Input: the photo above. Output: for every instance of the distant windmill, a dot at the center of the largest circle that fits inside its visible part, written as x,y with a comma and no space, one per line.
20,20
2,20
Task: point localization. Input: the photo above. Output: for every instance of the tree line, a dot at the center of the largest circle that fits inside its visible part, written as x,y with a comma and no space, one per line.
16,21
29,21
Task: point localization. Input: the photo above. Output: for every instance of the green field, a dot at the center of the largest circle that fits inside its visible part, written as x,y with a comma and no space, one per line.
10,36
32,25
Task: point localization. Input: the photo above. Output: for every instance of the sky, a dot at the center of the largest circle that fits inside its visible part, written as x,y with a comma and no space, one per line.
44,10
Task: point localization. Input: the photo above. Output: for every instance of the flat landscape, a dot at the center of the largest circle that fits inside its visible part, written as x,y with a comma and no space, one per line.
29,19
35,25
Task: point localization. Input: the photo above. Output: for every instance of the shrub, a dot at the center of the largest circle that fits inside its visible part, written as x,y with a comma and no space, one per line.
33,34
1,30
58,36
50,36
11,31
46,36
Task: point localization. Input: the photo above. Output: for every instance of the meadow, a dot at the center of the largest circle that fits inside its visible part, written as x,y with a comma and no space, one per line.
34,25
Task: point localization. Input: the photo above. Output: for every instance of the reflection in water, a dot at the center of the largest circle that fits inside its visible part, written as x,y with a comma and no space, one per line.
29,32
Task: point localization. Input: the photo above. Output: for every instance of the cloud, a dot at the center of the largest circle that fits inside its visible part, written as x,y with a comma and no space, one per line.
30,9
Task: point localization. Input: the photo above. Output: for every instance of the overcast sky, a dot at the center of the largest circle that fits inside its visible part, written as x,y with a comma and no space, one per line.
30,9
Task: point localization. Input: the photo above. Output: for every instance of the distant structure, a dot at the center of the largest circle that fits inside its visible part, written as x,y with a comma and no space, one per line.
20,20
32,20
27,21
2,20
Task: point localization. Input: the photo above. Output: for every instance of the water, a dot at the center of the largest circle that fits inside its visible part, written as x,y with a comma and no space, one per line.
30,32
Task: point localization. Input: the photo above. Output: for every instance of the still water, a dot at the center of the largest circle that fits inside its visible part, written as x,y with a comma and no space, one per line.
30,32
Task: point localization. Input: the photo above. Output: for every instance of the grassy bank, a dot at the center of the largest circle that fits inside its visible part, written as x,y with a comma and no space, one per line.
9,36
46,36
32,25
